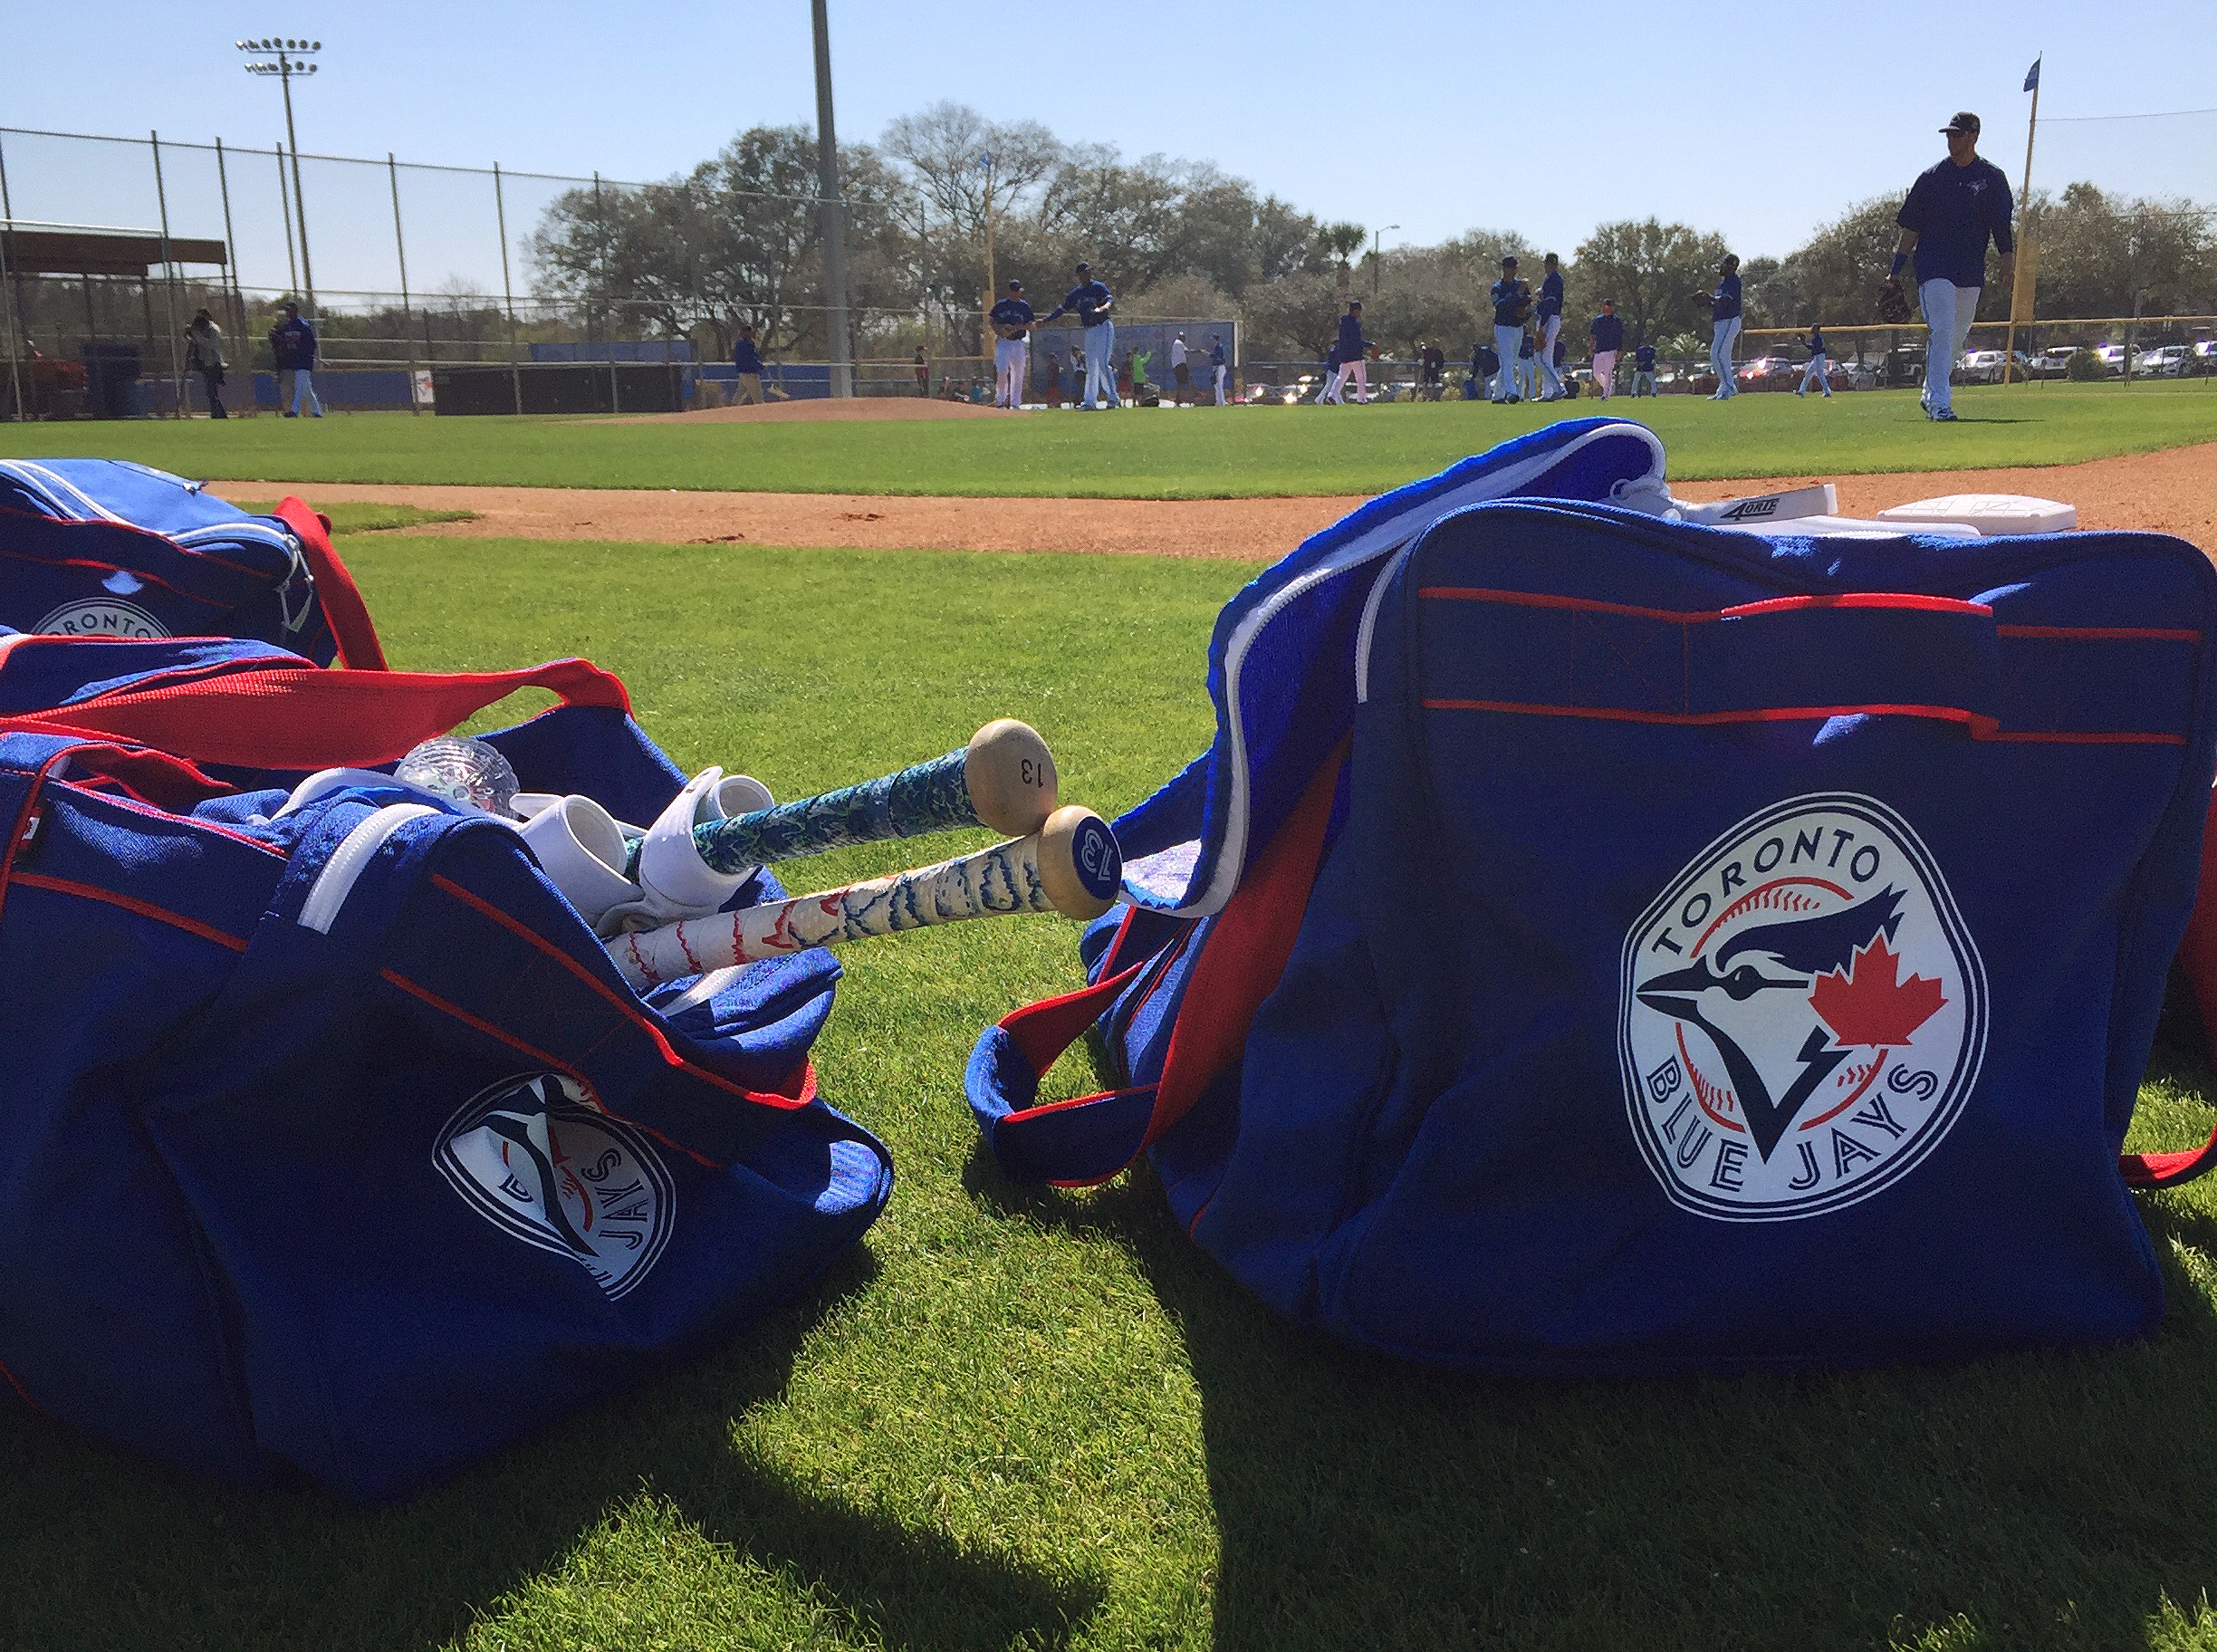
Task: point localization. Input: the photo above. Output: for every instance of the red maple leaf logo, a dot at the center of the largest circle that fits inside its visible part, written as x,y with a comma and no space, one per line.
1868,1004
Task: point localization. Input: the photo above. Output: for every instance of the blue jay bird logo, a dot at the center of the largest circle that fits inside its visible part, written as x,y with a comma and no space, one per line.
537,1158
1803,1013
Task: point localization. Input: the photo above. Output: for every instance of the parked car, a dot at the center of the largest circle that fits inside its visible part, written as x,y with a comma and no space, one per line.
1981,367
2202,356
2163,361
2050,363
2112,358
1763,373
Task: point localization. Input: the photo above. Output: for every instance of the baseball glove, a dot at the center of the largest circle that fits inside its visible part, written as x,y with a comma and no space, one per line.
1893,303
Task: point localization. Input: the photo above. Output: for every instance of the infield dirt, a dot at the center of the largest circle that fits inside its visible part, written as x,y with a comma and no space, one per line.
2173,492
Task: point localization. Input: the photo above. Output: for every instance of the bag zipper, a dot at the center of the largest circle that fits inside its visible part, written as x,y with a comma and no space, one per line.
336,881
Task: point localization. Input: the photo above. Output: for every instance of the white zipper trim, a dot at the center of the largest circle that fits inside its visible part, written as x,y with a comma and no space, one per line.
336,881
61,489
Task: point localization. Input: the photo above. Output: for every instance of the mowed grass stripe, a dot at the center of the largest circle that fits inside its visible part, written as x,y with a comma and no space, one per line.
1149,454
1017,1418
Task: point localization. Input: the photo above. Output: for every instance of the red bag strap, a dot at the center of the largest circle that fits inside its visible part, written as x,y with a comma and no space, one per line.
341,599
301,718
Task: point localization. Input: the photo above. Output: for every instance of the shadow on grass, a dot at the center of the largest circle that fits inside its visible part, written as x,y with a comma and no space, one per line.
2037,1499
106,1551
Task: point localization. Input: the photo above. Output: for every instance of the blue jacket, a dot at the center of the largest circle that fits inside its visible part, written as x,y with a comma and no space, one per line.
1551,296
1353,346
1012,311
1508,295
1087,301
1725,305
1817,341
1953,210
293,342
1216,355
745,357
1608,332
1643,358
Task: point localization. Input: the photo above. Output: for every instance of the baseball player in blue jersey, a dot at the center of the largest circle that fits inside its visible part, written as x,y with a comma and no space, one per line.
1546,315
1818,368
1607,331
1511,304
1644,371
1354,354
1011,323
1092,301
1953,207
1723,325
1526,367
1218,373
1335,370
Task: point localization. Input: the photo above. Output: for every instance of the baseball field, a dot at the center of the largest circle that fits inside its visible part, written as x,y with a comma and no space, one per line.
1032,1418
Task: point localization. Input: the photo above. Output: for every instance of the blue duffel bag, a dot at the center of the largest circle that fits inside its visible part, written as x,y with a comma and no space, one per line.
105,548
1598,943
333,1138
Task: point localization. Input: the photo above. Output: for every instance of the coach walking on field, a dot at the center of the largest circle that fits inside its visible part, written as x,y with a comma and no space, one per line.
1952,208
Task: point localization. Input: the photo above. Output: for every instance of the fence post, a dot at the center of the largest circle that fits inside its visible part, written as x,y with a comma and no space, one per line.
169,279
600,223
238,298
392,170
500,213
11,290
285,206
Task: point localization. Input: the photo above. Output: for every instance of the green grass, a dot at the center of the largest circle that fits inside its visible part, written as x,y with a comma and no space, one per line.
349,517
1028,1418
1201,453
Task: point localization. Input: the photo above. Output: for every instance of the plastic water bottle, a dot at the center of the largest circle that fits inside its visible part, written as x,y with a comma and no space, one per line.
462,769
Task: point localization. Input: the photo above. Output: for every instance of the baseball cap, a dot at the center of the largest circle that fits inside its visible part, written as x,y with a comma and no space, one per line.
1015,286
1508,259
1084,268
1964,121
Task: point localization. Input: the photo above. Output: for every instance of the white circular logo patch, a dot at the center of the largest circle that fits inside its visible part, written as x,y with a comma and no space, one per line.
533,1157
105,618
1803,1014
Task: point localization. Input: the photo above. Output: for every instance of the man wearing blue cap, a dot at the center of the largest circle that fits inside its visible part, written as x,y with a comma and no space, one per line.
1723,325
1511,308
1547,316
1953,207
1607,331
1092,301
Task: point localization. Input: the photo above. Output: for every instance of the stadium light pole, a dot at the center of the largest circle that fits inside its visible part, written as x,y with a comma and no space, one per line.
1376,237
834,211
285,59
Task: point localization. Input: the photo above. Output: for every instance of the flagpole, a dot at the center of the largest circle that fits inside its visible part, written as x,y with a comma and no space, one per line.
2024,202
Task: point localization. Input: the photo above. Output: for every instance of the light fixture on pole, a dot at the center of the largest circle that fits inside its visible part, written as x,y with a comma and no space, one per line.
1377,236
285,59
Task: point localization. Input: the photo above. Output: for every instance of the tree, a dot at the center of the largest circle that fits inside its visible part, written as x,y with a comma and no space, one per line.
734,240
1429,295
1341,241
2100,252
1837,273
1647,268
1294,317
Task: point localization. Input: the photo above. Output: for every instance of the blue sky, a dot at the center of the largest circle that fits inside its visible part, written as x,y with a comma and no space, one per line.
1759,120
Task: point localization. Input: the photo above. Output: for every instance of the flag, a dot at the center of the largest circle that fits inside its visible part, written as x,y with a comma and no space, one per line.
2033,76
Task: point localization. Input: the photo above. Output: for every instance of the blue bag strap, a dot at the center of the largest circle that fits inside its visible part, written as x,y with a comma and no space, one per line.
1089,1138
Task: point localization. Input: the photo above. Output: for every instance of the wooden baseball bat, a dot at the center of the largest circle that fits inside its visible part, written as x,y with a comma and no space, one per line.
1003,780
1070,865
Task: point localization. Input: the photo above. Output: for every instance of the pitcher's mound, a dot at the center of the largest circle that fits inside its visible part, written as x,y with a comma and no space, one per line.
819,409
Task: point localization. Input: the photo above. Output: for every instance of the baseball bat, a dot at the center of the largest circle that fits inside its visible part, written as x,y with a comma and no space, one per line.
1070,865
1003,780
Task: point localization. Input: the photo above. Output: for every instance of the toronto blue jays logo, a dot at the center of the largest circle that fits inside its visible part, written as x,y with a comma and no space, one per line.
531,1155
1803,1013
102,617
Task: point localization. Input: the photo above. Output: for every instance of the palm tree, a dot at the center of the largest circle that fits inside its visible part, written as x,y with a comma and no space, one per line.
1342,241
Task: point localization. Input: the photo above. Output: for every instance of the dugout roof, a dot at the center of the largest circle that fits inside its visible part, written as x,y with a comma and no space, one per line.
68,250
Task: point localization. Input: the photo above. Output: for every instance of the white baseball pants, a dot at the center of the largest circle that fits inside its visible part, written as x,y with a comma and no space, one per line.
1008,373
1100,369
1949,311
1223,373
1721,339
1816,370
1605,372
1550,379
1505,342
